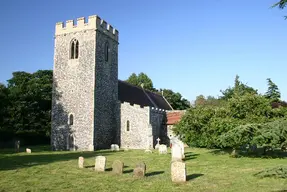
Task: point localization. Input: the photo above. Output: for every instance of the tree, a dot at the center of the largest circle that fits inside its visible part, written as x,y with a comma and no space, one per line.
281,4
30,98
175,99
3,105
208,101
273,93
141,79
239,88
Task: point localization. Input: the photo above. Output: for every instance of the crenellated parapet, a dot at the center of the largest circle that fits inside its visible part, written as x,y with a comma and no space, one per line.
136,106
157,110
93,22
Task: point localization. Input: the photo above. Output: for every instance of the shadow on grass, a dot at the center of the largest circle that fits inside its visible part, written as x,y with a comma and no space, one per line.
154,173
193,176
259,153
190,155
10,161
128,171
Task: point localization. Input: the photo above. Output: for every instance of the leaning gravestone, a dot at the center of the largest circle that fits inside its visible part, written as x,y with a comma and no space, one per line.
140,170
100,164
162,149
28,150
176,153
118,167
178,172
81,162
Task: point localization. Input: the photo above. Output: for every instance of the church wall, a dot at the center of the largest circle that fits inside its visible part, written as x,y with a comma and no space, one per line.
157,120
106,92
139,133
85,87
73,89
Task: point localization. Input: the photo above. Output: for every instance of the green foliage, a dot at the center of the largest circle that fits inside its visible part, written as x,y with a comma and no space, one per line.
208,101
272,135
245,118
249,108
273,93
239,88
275,172
281,4
239,136
27,99
141,79
175,99
3,106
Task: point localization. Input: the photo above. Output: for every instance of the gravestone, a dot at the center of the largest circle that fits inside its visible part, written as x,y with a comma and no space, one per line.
28,150
100,164
140,170
176,153
178,172
157,145
118,167
115,147
162,149
17,146
182,149
81,162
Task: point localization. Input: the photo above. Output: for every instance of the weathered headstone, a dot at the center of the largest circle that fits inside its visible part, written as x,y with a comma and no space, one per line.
162,149
176,153
140,170
118,167
181,144
28,150
157,145
178,172
17,146
100,163
115,147
81,162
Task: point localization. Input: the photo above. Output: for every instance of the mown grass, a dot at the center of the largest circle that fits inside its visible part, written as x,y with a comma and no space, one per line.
43,170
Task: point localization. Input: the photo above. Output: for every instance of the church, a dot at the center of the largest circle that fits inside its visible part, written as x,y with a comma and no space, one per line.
91,107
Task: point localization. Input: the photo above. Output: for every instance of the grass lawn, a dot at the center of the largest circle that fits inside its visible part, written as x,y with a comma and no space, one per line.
43,170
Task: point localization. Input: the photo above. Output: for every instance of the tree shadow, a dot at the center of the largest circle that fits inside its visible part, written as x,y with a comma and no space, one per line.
128,171
154,173
258,153
190,155
193,176
10,162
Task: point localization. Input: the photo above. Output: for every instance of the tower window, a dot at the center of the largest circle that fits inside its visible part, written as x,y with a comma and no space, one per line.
107,48
128,125
71,119
74,49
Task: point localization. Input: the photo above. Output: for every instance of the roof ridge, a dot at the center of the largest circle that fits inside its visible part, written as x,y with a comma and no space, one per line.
140,87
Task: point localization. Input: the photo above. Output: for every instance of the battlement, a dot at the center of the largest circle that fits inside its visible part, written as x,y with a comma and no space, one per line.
134,105
157,110
94,22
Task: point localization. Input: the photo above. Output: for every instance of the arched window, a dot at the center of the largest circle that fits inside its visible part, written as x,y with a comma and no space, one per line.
74,49
107,47
71,119
128,125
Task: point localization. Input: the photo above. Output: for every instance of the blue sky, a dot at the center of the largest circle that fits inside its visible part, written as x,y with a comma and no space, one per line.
193,47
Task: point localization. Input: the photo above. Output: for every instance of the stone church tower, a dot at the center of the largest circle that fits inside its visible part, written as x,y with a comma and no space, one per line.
85,88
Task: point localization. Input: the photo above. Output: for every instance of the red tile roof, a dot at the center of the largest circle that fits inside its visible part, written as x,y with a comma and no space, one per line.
173,117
